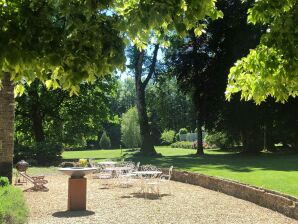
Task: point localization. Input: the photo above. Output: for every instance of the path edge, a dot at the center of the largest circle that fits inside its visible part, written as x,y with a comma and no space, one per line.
276,201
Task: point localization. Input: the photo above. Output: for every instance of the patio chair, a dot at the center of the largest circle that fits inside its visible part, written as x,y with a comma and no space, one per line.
92,163
137,167
149,184
37,181
167,176
165,179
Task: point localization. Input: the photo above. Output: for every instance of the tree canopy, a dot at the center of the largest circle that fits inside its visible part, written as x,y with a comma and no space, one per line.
271,69
61,43
65,42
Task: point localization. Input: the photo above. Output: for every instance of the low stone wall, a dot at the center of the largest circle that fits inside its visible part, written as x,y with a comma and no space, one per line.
282,203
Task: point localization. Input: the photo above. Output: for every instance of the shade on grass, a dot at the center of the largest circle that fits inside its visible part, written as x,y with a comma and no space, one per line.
272,171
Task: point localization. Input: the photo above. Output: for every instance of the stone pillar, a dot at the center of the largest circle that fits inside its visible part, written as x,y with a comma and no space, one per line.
7,110
77,195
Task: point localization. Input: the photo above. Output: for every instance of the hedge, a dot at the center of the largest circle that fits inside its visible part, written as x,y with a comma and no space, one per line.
13,209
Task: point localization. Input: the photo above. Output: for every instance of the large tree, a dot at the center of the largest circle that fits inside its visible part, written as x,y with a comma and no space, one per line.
147,146
65,42
162,18
271,69
201,64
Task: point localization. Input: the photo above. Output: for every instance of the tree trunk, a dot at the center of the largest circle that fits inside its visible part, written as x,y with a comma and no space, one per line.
252,143
36,116
147,142
37,126
147,146
7,110
200,148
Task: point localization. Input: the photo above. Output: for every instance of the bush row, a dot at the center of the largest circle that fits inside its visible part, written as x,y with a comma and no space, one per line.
183,144
13,209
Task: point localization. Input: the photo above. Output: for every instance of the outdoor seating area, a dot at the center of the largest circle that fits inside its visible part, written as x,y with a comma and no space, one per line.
117,204
146,179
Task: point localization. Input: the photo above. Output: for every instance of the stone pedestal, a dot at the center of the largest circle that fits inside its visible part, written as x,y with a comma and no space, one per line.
77,194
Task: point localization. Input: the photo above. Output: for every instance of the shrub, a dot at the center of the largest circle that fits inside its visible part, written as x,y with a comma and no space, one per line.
130,129
12,207
22,152
177,137
182,144
40,153
183,131
47,152
168,136
4,181
105,142
218,139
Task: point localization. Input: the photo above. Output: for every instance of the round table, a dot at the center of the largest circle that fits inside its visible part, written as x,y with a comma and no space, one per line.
117,169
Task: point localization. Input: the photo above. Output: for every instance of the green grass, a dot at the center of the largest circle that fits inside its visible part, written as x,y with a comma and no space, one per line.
12,206
278,172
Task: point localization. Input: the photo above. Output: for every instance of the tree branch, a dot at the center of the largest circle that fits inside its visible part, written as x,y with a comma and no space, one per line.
152,66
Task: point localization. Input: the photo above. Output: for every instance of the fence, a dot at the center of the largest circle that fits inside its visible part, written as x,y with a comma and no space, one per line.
190,137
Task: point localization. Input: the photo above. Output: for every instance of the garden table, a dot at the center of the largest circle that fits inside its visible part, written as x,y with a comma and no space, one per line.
116,170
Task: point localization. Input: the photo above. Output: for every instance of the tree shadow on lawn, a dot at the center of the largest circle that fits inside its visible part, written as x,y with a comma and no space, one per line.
237,162
69,214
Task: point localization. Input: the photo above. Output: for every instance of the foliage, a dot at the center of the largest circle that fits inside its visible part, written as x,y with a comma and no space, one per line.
105,142
182,144
125,95
218,139
168,136
271,69
4,182
47,152
42,153
83,162
141,18
114,132
201,65
43,115
168,106
12,207
183,131
59,42
130,129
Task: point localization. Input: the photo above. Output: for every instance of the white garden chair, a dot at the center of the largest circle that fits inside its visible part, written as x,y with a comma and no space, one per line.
149,184
165,179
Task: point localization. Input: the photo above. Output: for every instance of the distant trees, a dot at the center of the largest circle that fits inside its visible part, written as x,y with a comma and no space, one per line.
130,129
43,115
105,142
201,64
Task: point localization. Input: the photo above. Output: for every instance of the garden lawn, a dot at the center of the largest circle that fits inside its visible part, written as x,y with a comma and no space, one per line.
278,172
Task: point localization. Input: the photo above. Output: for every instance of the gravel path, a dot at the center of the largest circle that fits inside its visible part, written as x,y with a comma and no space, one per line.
188,204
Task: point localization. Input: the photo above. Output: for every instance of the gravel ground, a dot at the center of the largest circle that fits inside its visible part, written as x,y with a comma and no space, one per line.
188,204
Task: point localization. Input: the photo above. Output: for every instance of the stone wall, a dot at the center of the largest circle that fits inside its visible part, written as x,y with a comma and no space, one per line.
282,203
